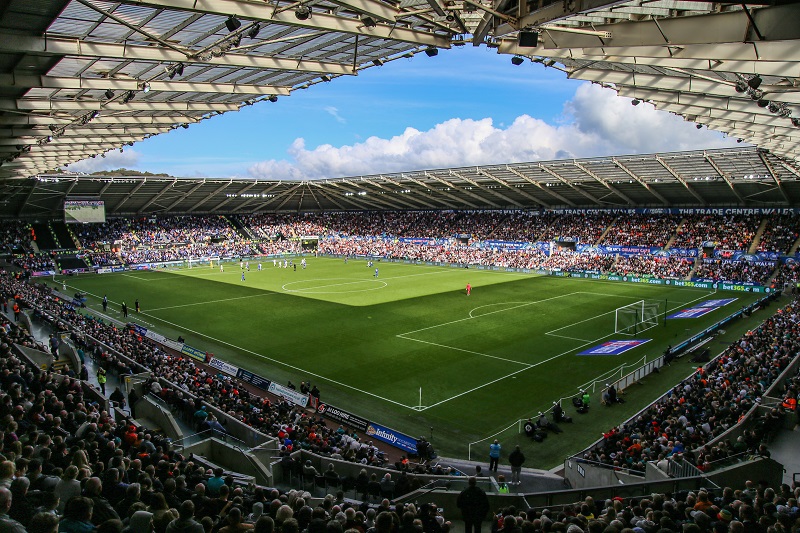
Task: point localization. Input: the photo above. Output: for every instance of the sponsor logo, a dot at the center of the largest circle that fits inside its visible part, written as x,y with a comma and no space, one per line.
374,432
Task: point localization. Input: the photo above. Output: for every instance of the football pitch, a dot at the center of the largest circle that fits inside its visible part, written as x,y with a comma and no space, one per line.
409,349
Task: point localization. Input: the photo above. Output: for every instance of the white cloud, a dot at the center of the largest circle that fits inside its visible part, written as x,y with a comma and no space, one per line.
334,112
113,160
595,122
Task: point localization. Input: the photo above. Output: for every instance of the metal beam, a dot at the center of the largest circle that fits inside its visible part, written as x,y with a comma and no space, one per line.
184,197
258,12
774,173
122,84
41,104
640,181
418,192
105,51
399,197
229,198
543,189
503,182
486,189
724,177
129,195
467,193
680,179
210,195
152,200
603,183
443,193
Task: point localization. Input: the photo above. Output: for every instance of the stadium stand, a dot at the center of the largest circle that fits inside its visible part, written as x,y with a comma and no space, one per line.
73,459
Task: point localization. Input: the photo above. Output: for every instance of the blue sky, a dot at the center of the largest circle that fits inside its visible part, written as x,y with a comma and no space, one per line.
466,106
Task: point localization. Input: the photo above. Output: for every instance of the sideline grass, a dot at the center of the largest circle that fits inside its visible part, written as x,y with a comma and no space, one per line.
370,343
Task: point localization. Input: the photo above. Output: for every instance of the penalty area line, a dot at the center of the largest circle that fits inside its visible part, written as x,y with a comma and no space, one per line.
464,350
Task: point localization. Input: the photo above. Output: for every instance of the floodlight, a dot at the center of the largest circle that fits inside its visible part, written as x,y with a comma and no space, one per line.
635,102
302,12
754,82
233,24
109,94
517,60
253,32
431,51
763,103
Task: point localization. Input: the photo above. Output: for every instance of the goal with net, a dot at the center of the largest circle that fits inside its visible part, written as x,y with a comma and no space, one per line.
638,316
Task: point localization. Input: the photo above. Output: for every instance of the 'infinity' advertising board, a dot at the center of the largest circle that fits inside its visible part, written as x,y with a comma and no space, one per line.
392,437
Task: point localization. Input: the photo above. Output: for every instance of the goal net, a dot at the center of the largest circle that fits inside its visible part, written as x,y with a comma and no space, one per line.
637,317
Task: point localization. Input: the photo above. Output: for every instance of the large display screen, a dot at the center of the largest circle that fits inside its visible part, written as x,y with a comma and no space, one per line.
84,211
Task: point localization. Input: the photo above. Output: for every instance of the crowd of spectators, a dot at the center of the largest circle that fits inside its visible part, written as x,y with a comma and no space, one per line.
780,234
35,262
572,261
155,230
686,421
754,508
642,230
439,236
67,465
728,270
665,267
14,235
788,276
732,232
582,228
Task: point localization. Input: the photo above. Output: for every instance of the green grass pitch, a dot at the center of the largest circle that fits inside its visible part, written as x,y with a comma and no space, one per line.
370,343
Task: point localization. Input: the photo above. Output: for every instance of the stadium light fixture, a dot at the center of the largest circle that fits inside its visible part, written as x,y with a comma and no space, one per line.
233,23
763,103
699,126
302,12
273,98
754,82
145,87
109,94
368,21
517,60
741,86
635,102
252,33
431,51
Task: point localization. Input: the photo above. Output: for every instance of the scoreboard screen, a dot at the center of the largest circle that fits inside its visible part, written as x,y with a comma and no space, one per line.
84,211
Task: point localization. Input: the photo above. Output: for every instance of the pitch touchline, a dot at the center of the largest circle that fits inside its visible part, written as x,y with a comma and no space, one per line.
214,301
281,363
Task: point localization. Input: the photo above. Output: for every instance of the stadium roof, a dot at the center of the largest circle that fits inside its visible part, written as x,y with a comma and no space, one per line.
745,177
81,77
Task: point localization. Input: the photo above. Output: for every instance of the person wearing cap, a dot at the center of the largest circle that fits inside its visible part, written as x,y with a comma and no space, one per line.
494,454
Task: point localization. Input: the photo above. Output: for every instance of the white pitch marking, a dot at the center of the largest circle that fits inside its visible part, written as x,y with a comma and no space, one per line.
214,301
463,350
282,363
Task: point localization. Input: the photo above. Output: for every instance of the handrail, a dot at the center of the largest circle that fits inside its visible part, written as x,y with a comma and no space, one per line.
189,436
598,464
249,457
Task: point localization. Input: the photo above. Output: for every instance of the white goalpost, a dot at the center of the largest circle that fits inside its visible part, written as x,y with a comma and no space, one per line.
637,317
